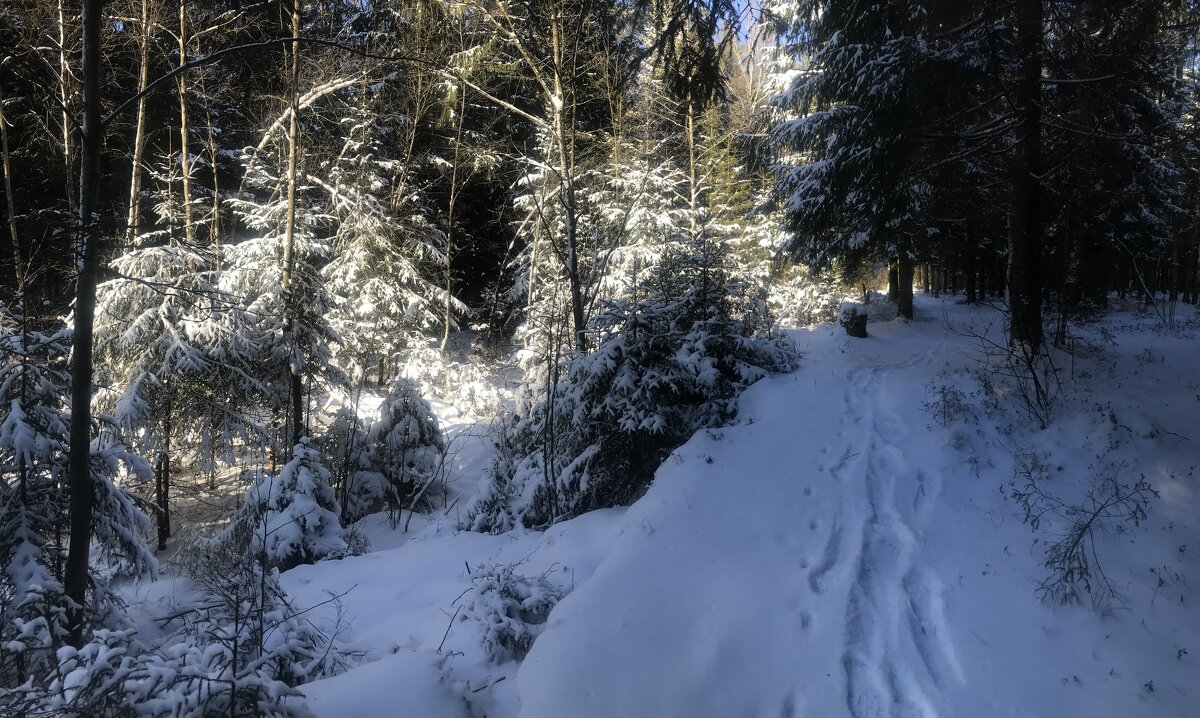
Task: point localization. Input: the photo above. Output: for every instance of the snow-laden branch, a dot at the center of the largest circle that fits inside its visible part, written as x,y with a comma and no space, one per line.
306,101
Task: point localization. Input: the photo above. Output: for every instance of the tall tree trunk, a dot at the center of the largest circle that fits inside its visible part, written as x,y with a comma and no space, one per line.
448,305
21,301
139,133
893,291
904,281
163,483
693,176
566,178
185,148
64,96
87,258
9,205
214,217
1025,243
972,275
296,384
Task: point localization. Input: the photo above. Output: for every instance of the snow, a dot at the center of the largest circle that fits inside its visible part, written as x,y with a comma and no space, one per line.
831,555
405,681
401,603
839,551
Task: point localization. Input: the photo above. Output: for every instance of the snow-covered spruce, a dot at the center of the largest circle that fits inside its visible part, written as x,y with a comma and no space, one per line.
178,361
289,518
394,461
290,332
32,503
389,256
33,509
407,442
665,366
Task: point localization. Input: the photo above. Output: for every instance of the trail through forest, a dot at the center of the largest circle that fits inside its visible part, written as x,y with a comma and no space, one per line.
850,546
839,552
811,514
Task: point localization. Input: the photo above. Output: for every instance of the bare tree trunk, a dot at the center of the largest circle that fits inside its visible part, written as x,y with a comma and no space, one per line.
296,385
214,218
566,178
64,96
20,271
448,305
139,133
972,283
10,206
1025,280
162,487
87,258
693,178
904,281
185,157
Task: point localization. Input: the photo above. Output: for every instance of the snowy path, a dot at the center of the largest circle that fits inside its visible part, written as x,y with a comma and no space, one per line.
892,597
801,552
835,554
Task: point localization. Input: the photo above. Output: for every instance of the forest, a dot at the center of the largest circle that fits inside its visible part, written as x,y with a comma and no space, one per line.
286,276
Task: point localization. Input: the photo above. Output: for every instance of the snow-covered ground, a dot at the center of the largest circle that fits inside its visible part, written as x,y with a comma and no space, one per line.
843,550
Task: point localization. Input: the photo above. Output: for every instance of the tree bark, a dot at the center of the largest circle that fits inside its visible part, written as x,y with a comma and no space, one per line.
295,382
1025,230
64,96
566,178
87,256
139,133
904,282
972,277
10,206
185,156
163,483
448,305
19,270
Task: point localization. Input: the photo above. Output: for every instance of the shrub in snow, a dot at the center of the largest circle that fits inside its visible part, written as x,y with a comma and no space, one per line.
947,404
1106,504
462,376
291,517
349,453
393,461
592,431
239,650
510,609
244,647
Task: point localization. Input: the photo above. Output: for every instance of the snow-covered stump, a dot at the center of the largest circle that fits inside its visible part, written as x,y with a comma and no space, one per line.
853,321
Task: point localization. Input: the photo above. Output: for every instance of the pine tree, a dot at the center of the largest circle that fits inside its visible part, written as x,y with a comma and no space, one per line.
289,518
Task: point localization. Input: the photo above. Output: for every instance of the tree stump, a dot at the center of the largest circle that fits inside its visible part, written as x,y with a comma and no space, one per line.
854,322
